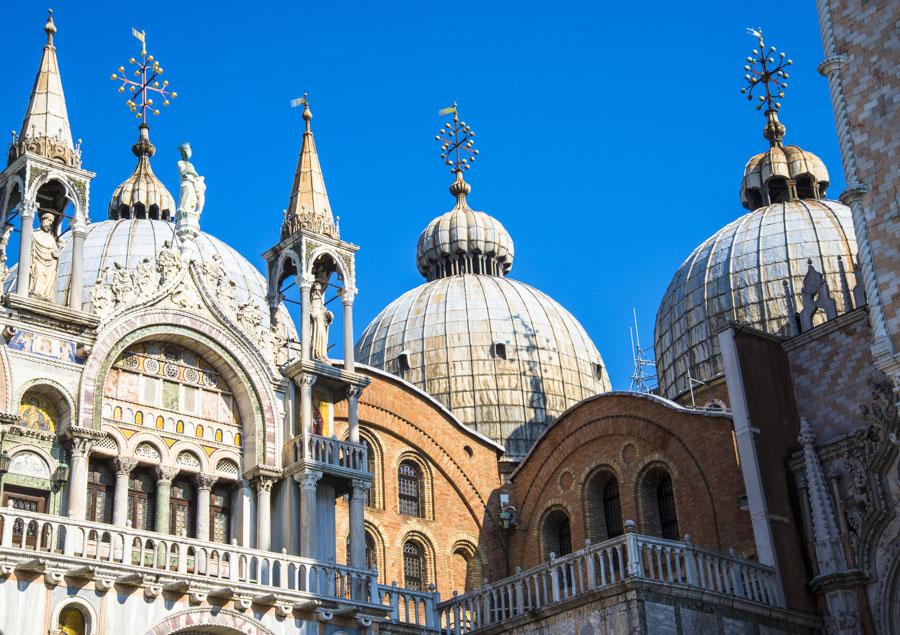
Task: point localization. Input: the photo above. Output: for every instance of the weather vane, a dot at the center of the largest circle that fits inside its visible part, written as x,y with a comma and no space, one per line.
147,83
457,143
764,69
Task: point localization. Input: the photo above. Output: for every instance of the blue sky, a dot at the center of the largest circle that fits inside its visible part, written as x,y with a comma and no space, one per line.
612,135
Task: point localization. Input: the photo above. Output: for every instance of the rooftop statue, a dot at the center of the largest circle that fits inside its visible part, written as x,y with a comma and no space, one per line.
321,319
193,186
44,260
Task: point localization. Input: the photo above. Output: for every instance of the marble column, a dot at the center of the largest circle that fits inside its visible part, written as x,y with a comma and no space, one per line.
353,393
263,485
308,481
304,282
164,476
357,523
204,486
348,294
23,275
79,232
78,476
306,382
124,467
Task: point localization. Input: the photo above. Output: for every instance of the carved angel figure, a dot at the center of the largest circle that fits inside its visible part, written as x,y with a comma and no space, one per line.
168,262
145,278
122,284
320,318
193,186
44,259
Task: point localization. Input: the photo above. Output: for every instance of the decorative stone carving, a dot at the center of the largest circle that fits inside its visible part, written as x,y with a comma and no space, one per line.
122,284
147,451
192,197
29,464
44,260
320,318
4,241
188,460
125,465
169,263
166,473
815,296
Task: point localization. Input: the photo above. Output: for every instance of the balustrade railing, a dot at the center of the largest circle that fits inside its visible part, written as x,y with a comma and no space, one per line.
330,451
185,558
408,606
631,556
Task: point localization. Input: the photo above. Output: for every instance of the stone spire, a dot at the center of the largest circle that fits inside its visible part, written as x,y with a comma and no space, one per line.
309,207
829,551
45,129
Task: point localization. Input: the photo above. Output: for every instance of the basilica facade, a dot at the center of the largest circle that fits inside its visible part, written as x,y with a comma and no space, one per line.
189,444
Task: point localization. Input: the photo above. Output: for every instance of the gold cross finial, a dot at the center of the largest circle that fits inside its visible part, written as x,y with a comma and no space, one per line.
457,142
146,82
765,70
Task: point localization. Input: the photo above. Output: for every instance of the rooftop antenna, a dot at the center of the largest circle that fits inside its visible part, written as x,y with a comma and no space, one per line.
691,383
643,378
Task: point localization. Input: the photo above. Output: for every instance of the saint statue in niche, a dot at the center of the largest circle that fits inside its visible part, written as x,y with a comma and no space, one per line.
320,319
44,260
193,186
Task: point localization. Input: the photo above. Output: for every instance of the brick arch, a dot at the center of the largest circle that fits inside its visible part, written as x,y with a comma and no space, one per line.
253,394
223,620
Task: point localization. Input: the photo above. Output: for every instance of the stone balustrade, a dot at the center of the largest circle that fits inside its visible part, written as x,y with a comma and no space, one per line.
112,555
628,557
327,452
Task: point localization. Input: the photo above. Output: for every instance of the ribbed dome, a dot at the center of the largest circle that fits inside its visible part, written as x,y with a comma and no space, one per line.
464,241
142,195
803,169
738,274
504,357
128,242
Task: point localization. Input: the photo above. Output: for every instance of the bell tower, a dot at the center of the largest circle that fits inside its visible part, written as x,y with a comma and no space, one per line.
313,262
44,181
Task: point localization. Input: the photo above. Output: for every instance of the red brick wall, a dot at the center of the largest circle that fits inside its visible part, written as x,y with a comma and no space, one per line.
460,467
628,433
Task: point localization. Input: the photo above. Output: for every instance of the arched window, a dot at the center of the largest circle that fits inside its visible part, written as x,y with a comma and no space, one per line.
659,516
220,515
182,520
160,423
466,568
612,510
371,551
71,621
138,418
413,566
603,506
410,489
665,501
557,534
101,485
370,458
142,500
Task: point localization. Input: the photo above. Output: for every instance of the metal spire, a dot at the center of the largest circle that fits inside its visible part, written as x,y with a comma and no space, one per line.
641,380
766,71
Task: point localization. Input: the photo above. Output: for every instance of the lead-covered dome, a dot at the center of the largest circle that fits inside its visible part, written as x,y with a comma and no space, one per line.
504,357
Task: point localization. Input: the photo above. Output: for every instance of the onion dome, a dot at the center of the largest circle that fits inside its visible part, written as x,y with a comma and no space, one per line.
752,270
464,240
505,358
142,195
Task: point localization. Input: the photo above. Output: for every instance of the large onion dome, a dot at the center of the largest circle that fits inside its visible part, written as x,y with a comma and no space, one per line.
745,271
142,195
504,357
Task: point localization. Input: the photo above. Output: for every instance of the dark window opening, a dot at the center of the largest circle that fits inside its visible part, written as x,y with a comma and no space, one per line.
499,350
612,510
410,489
665,501
778,190
413,567
403,362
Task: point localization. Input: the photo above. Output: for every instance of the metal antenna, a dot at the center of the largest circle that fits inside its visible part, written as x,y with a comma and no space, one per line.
643,378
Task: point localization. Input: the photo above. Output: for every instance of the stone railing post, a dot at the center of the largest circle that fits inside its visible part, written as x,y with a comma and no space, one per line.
737,581
690,561
589,565
554,577
633,550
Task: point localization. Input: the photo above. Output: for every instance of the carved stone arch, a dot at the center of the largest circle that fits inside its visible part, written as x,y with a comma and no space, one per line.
646,480
549,527
277,274
225,621
601,523
87,610
62,399
206,466
466,547
251,388
12,183
342,268
427,479
226,455
422,537
30,448
165,455
71,193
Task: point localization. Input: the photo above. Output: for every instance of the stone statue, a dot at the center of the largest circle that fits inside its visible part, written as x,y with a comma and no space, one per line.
122,284
168,262
4,241
145,278
44,260
320,319
193,186
249,319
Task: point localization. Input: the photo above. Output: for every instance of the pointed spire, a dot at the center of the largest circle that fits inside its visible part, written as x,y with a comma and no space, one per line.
45,129
309,207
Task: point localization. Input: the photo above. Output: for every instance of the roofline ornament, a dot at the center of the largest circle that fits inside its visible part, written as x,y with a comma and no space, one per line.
766,71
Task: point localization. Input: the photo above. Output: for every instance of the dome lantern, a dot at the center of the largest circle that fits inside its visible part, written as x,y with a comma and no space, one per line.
781,173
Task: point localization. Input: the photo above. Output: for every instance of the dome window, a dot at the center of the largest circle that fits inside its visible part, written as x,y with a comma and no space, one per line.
778,190
598,370
806,187
403,361
498,350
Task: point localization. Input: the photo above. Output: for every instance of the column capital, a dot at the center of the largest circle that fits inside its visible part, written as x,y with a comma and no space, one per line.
853,194
125,465
308,480
206,481
27,208
348,295
305,380
353,392
832,63
166,473
360,485
79,226
305,280
263,483
81,446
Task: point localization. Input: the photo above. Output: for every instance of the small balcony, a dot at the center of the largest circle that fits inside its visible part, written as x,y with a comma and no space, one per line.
336,459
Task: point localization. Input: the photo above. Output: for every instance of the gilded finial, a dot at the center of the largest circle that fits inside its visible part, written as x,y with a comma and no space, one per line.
307,114
50,27
457,142
146,83
764,69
